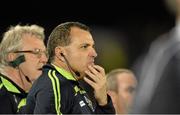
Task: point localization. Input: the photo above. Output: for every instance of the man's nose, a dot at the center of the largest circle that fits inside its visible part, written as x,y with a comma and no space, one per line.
93,53
44,58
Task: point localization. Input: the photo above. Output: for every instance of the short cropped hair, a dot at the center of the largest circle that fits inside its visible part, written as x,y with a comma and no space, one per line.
60,36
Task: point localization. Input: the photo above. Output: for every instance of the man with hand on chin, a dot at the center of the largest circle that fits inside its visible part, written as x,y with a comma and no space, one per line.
58,90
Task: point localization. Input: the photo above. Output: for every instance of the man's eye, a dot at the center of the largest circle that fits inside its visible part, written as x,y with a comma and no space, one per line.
131,89
37,51
84,46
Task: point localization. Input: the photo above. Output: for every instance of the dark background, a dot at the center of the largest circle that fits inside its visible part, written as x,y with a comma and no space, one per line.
133,23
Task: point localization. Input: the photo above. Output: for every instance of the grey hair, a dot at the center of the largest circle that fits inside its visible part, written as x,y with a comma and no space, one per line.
12,39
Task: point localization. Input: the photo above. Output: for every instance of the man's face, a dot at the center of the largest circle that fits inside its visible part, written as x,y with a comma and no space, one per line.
80,52
32,67
126,86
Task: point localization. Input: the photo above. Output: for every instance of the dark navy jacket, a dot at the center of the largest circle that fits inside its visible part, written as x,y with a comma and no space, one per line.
57,92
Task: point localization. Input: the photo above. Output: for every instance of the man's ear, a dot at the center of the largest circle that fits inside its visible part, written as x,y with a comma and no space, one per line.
112,94
58,53
11,57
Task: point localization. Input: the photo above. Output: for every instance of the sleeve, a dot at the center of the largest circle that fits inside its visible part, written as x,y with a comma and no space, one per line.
106,109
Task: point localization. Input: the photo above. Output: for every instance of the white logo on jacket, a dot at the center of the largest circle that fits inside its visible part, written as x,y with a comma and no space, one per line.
81,103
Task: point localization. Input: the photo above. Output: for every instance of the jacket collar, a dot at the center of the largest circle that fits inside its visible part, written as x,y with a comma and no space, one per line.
62,71
10,85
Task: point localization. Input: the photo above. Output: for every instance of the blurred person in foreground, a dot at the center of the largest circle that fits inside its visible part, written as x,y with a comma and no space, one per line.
22,55
121,85
159,86
58,90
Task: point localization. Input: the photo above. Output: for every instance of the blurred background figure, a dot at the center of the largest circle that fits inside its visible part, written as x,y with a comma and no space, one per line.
121,84
159,86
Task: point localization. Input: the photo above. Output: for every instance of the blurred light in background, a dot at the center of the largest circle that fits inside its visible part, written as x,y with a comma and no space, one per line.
111,46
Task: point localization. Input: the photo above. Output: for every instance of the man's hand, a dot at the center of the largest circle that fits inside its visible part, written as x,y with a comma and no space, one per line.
98,82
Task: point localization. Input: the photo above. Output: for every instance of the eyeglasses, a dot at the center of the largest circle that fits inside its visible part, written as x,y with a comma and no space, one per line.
36,51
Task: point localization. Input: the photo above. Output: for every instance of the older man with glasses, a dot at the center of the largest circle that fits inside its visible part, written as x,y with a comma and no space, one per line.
22,56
